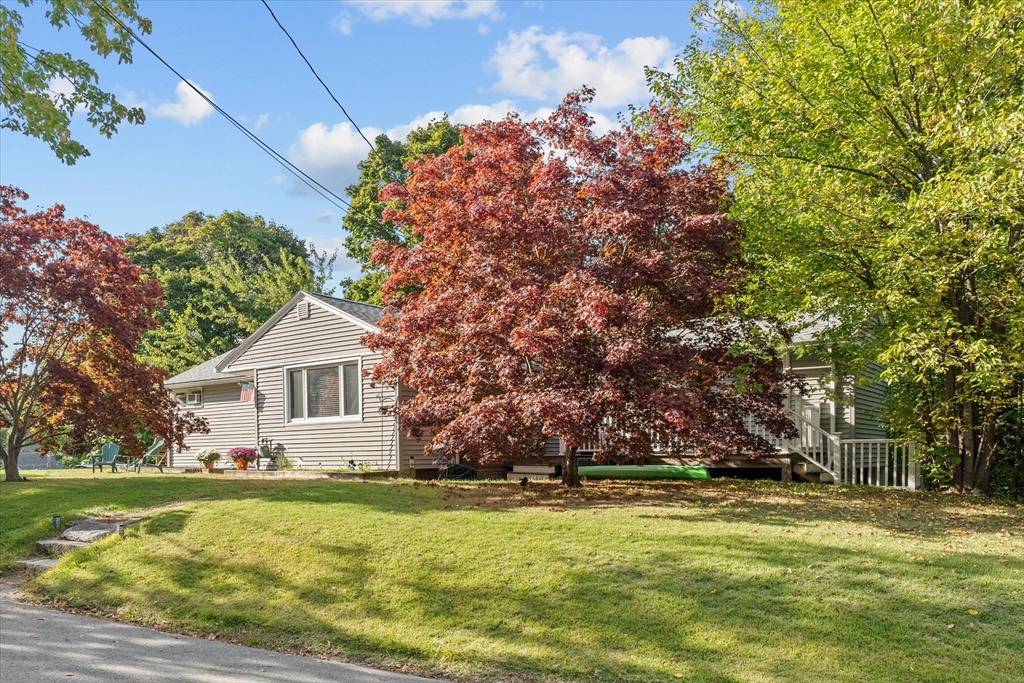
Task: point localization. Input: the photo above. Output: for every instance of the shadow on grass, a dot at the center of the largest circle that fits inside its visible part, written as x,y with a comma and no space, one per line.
711,608
169,522
28,506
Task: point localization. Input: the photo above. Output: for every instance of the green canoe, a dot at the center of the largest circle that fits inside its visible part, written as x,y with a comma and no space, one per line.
643,472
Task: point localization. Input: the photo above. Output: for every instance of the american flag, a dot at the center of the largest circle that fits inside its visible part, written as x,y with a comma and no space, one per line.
248,392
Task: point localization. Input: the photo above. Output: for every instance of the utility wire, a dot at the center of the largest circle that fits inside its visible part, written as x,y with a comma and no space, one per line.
299,50
373,150
292,168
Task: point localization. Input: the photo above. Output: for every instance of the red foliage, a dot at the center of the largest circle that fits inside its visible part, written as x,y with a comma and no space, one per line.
78,308
565,278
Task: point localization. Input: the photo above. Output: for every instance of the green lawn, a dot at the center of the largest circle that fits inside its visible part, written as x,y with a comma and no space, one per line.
696,581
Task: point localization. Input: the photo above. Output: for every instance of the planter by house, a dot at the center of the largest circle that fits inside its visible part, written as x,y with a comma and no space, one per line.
208,456
242,456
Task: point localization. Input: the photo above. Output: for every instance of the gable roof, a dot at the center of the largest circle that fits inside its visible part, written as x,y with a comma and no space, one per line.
363,315
203,373
808,329
368,313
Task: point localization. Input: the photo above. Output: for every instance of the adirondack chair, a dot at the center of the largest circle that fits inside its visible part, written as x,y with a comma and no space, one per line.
108,456
151,456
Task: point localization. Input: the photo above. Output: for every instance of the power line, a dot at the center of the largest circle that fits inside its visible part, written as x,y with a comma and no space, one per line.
292,168
373,150
299,50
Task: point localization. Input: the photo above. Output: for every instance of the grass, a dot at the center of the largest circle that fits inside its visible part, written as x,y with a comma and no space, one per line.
700,581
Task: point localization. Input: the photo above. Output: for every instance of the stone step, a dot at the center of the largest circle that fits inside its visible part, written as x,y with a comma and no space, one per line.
57,546
88,531
40,564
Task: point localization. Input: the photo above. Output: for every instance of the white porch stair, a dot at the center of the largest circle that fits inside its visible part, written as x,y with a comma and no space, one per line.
827,457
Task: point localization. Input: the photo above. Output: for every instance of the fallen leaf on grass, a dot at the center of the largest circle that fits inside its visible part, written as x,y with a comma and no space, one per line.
972,612
951,626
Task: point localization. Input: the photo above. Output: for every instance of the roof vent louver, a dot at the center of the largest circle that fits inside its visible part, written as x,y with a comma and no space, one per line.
303,310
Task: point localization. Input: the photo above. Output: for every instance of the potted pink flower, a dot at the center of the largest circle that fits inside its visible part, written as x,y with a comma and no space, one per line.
242,455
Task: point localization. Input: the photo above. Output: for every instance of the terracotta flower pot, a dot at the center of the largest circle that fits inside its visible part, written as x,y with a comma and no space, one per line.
242,464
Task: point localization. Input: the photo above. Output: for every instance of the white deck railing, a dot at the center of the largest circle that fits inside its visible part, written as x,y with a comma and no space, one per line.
879,462
870,462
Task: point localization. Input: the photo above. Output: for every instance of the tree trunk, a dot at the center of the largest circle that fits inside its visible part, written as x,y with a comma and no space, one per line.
968,446
10,458
952,437
570,469
1019,460
986,456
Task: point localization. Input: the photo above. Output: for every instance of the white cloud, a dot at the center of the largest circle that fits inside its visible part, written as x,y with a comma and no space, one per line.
472,114
424,12
542,65
261,121
60,89
330,154
325,216
188,109
468,114
342,23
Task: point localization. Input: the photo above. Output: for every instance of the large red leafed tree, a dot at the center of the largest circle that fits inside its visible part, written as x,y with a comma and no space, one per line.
569,285
73,309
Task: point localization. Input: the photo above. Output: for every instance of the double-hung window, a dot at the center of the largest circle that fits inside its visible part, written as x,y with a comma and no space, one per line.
323,392
193,398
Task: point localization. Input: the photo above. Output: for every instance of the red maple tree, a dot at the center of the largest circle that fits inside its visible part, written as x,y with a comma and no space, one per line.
570,284
78,308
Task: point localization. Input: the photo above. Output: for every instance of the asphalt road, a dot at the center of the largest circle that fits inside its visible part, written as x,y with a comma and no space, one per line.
41,644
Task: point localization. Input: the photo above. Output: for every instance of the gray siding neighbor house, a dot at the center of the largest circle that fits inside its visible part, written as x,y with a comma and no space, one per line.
300,386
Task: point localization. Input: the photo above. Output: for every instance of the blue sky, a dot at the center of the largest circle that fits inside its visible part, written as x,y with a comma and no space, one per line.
393,66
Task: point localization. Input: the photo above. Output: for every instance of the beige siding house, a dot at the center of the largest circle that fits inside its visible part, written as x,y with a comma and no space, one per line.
300,386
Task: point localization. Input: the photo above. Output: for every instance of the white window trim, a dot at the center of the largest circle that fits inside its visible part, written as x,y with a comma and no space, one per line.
313,364
188,393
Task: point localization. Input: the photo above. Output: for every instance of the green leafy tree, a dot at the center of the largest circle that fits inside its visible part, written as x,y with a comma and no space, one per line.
364,221
879,172
40,90
222,277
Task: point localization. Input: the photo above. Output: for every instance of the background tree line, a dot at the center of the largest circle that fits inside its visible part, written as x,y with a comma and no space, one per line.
878,155
878,173
222,278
